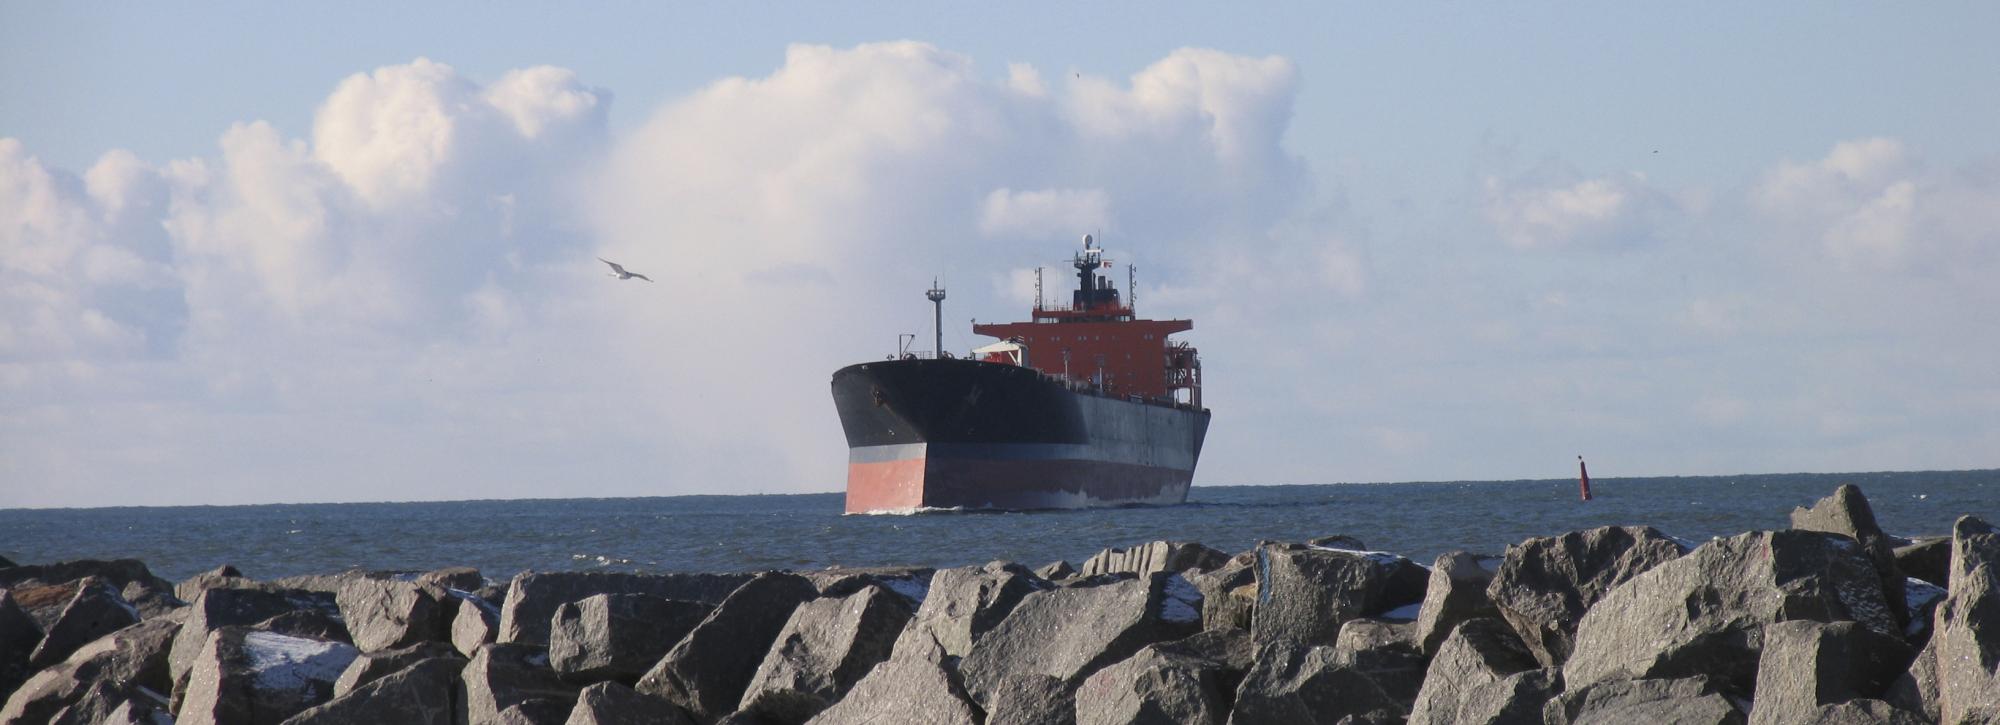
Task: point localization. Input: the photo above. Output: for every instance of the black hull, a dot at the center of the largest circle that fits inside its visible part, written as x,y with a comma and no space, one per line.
969,434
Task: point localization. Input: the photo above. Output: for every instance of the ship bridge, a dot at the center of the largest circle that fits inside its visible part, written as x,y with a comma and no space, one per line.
1099,340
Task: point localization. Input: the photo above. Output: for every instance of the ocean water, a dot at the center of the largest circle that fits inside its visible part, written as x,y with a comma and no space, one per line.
808,531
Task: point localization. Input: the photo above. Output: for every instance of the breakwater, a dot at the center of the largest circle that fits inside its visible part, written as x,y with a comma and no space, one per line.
1825,619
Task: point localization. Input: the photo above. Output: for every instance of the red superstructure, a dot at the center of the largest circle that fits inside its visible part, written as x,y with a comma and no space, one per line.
1098,340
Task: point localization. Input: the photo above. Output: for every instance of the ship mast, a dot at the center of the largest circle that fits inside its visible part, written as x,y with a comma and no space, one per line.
936,295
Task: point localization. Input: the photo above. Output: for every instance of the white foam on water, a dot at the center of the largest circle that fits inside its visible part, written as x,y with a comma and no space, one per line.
910,511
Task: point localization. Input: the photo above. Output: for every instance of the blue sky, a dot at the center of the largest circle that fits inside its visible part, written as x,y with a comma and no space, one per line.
1419,241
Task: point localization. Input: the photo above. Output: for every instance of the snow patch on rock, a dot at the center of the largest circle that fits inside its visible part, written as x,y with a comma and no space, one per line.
1182,602
1407,612
910,588
283,662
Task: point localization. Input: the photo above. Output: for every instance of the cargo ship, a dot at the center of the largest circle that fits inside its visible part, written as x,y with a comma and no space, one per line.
1084,405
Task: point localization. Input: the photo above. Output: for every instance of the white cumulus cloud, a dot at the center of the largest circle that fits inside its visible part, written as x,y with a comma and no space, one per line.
408,294
1043,213
1619,209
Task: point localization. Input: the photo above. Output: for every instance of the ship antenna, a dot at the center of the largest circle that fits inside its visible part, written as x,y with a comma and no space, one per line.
1038,288
936,296
1132,288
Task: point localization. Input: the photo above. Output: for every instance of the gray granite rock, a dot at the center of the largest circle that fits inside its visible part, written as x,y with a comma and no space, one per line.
1847,513
426,692
1071,632
1338,541
136,655
388,614
533,597
477,622
1968,627
1515,699
1916,690
314,623
95,610
243,675
826,646
1293,685
1478,652
912,583
1928,559
1229,648
1151,557
223,607
1692,700
1544,585
1304,593
708,670
503,675
109,701
42,603
372,666
1862,712
966,603
1804,665
1385,652
19,634
149,594
220,576
1163,683
1704,613
1031,699
912,688
610,703
331,583
462,578
536,711
1057,570
1456,593
618,636
1221,607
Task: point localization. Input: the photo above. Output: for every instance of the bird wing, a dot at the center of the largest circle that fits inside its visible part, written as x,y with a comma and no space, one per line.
640,276
615,267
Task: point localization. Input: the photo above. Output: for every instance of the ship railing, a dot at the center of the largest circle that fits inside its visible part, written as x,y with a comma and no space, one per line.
1102,309
1088,387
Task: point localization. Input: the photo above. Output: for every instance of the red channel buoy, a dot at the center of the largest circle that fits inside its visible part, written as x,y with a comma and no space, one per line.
1583,477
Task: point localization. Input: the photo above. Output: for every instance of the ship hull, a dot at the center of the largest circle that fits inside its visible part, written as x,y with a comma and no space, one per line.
976,435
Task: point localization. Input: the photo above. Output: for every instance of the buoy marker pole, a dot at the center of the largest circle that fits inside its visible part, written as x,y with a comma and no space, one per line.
1583,477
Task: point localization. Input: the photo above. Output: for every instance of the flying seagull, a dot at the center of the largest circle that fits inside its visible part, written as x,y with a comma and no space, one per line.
618,270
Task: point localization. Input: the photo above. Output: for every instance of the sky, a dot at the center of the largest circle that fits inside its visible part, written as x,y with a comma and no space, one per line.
347,251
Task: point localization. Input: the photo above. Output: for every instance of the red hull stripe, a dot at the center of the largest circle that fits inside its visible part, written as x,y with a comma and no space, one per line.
911,483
